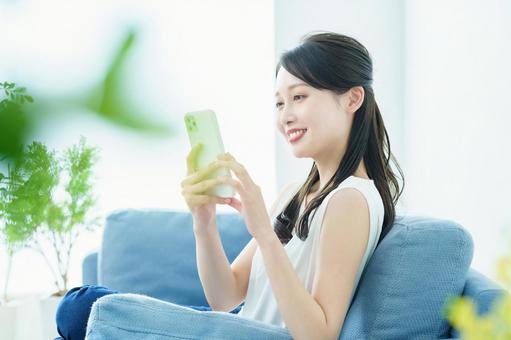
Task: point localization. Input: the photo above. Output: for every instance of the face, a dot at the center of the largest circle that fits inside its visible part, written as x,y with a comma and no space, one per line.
321,112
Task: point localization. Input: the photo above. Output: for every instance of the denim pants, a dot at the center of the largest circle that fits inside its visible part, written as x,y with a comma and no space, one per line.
74,309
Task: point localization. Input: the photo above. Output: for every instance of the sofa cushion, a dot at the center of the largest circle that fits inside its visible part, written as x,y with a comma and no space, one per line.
139,245
131,316
420,263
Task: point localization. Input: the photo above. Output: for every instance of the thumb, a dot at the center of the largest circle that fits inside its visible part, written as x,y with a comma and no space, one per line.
236,204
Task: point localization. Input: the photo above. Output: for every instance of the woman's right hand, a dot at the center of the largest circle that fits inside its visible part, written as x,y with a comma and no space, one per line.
201,205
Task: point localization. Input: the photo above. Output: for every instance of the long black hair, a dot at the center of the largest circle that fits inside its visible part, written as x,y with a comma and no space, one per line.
336,62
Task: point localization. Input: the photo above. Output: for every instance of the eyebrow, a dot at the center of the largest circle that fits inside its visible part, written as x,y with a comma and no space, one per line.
292,87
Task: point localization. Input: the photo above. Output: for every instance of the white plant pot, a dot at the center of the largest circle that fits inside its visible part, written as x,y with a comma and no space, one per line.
48,308
29,318
8,315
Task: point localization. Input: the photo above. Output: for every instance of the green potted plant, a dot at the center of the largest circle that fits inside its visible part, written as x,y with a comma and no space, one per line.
31,213
32,216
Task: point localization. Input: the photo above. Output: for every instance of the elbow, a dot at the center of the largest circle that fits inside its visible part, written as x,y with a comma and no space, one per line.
217,308
330,334
222,308
325,335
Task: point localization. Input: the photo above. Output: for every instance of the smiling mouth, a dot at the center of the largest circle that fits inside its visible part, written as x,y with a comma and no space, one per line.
296,136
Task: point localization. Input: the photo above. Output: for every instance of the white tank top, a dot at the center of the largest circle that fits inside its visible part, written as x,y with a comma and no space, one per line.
260,303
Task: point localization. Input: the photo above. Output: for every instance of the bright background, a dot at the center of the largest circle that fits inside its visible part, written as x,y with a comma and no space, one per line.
441,79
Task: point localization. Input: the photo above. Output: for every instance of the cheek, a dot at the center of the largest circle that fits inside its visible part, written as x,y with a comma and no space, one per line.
332,128
279,126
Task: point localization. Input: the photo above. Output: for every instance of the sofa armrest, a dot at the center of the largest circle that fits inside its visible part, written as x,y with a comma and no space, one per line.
133,316
483,291
90,269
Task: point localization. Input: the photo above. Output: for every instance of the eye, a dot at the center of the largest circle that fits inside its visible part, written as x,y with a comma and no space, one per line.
277,105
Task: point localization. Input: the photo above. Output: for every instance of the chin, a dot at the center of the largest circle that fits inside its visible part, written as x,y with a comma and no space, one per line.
300,153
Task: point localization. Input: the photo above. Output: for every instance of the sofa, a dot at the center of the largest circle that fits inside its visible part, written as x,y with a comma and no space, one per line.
149,256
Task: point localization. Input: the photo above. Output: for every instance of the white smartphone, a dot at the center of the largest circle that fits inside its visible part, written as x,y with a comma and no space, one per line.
202,127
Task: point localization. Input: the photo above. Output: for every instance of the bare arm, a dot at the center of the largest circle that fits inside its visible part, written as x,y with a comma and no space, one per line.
225,285
215,273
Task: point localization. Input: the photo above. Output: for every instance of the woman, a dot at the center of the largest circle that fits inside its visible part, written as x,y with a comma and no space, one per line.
302,272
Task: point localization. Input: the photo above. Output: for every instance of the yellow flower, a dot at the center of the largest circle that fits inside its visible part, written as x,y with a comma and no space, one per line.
496,324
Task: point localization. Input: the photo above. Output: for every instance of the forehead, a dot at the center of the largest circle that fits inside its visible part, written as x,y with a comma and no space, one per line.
284,80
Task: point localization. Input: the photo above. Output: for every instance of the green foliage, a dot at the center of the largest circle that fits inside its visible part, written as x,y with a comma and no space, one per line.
105,98
26,194
78,163
30,211
108,101
14,94
14,125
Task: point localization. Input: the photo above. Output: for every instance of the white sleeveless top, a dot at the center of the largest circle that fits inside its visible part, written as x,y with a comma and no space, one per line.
260,303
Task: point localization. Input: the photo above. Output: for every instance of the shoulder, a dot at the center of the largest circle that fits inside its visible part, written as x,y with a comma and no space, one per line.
347,199
358,193
347,210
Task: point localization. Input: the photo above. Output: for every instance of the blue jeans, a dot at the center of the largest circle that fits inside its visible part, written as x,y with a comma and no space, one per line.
74,309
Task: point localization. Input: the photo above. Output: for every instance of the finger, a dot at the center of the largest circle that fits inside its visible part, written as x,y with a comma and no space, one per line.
202,186
197,200
236,204
191,159
198,176
238,169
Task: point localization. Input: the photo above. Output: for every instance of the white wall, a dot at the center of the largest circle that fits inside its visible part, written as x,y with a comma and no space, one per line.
458,116
190,55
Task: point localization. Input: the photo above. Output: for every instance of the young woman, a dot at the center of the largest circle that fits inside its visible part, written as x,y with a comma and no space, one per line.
301,272
301,269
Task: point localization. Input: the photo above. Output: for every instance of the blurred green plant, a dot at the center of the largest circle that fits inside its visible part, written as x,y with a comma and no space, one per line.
31,214
13,121
461,312
106,99
28,212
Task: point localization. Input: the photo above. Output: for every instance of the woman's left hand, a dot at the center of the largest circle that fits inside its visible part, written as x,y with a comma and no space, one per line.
251,204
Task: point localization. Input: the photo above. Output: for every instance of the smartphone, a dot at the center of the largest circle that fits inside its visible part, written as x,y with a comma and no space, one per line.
202,127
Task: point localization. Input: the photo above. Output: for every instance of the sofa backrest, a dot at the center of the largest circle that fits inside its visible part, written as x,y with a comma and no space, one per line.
152,252
419,264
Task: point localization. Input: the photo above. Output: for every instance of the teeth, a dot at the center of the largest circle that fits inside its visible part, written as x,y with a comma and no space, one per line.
298,132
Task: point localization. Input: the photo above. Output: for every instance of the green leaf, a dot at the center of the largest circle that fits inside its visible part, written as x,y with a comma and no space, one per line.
111,104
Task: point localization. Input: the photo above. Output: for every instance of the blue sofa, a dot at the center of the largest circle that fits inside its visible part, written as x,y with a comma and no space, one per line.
150,256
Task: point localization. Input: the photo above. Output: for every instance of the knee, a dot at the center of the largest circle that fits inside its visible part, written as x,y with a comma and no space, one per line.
74,309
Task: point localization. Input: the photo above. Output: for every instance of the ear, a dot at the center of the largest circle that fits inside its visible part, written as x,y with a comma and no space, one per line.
355,98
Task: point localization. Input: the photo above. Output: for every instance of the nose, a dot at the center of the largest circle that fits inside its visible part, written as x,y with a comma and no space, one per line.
286,116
